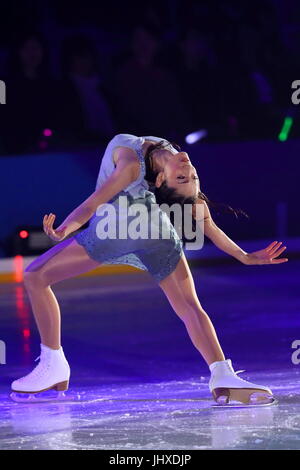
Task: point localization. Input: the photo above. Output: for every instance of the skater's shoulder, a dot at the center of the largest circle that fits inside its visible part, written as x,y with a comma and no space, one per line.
125,157
124,138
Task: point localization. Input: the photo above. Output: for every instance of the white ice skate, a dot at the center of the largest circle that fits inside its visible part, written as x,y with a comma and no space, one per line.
52,372
230,390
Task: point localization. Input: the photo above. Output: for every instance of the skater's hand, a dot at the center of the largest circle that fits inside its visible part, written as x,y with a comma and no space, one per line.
56,235
267,255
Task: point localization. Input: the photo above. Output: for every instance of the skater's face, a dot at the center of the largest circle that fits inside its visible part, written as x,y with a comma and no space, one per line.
178,172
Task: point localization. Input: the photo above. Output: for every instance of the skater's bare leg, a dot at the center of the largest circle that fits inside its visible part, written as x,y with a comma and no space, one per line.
65,260
225,385
180,290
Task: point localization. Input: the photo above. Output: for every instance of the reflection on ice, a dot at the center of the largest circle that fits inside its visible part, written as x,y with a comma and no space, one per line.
165,415
140,382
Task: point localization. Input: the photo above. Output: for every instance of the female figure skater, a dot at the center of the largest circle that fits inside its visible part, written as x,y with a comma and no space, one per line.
129,165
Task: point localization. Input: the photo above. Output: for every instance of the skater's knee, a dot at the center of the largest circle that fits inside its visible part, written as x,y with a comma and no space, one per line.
189,306
33,279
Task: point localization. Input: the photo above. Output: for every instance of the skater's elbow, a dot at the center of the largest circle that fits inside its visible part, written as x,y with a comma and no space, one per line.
211,230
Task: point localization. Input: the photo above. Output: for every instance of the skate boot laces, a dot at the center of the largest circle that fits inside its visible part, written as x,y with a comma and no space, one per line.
40,370
239,372
236,372
231,369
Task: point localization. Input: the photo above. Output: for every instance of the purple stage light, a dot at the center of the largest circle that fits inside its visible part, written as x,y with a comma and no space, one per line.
47,132
194,137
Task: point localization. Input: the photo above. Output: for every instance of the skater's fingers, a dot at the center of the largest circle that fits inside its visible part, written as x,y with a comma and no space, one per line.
271,245
275,248
279,261
50,221
45,224
48,225
45,220
278,252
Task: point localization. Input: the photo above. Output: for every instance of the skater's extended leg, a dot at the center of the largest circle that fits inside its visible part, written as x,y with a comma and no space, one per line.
225,385
180,290
63,261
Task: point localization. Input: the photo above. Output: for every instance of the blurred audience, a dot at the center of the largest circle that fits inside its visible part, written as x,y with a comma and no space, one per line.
169,69
85,112
30,95
199,83
146,97
262,113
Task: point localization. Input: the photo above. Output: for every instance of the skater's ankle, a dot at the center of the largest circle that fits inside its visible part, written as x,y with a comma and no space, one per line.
50,348
213,365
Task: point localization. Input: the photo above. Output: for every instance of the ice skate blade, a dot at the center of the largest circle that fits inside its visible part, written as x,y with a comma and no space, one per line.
36,398
272,402
245,396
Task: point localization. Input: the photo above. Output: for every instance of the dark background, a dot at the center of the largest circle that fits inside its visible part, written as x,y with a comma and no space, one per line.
159,67
77,73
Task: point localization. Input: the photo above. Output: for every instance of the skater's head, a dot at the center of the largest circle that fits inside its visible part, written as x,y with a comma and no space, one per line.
170,168
172,177
174,180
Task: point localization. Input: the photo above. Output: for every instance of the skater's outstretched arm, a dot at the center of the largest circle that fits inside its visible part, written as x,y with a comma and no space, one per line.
126,171
224,243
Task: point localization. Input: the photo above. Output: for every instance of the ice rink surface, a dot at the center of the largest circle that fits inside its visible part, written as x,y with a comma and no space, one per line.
137,381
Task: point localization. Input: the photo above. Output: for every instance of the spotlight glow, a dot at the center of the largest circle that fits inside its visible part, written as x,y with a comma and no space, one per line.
18,265
195,136
47,132
23,234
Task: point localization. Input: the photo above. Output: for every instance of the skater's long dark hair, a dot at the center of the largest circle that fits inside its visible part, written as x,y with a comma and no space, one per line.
168,195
